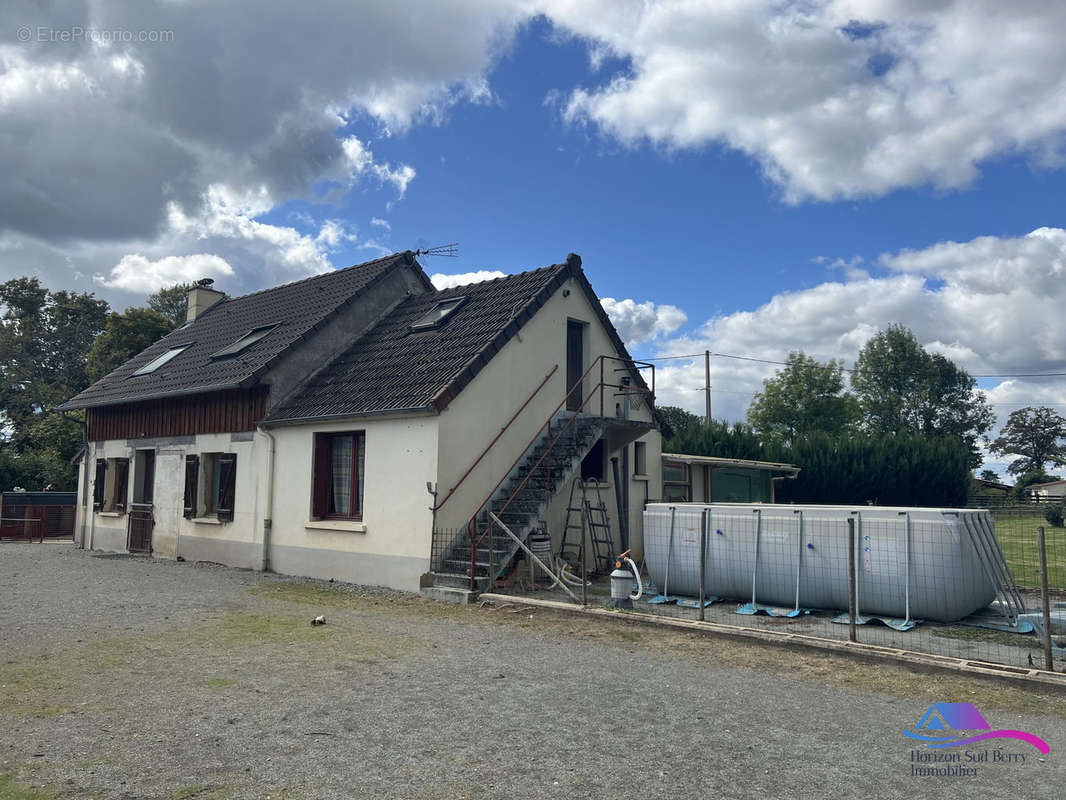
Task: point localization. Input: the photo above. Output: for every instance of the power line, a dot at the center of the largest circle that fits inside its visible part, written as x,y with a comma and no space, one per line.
849,369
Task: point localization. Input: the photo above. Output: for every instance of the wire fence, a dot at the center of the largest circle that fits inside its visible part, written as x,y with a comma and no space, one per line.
964,584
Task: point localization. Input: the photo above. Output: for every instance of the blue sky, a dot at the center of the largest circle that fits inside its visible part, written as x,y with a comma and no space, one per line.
749,178
518,188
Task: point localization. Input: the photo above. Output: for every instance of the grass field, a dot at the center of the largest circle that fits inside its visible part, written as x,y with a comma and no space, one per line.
1016,530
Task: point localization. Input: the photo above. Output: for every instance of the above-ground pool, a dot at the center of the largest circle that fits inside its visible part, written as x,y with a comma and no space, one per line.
924,563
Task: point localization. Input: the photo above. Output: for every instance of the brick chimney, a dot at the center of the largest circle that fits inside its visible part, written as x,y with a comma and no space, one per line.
201,298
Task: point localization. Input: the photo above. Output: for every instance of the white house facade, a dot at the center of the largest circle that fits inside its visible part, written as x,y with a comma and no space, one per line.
357,425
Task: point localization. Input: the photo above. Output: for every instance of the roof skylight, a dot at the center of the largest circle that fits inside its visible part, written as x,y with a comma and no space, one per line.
246,341
436,316
159,361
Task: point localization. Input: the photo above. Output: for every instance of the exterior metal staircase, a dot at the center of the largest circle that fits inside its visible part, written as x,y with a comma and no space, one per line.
521,501
461,561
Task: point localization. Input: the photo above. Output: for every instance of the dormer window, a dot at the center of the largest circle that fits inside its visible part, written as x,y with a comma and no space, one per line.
246,341
159,361
436,316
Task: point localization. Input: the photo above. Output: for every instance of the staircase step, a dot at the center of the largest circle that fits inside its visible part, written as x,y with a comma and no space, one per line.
548,464
451,580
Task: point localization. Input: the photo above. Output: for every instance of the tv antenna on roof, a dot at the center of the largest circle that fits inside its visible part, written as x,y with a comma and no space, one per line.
444,250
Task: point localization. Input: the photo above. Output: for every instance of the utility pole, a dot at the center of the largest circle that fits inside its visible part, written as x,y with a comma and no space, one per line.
707,372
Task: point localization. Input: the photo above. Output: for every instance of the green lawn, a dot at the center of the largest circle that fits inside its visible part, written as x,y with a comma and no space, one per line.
1016,531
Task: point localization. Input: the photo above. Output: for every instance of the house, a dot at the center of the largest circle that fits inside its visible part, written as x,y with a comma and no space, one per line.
360,424
992,492
1047,492
708,479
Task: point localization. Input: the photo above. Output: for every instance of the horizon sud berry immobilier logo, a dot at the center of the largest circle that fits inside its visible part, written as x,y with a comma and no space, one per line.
947,726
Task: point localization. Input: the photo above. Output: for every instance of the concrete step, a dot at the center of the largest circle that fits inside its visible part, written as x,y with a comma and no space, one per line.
449,594
451,580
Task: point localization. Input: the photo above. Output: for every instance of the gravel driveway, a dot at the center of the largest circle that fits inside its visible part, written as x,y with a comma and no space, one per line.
131,678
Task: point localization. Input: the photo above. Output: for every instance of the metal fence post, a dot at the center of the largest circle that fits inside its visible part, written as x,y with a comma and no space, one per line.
703,561
492,561
584,561
851,580
1045,604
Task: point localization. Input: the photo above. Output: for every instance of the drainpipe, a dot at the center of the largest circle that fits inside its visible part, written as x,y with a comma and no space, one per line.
431,487
268,520
90,509
625,494
619,500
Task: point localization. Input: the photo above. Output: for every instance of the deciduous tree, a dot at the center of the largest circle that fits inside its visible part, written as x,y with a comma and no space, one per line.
44,339
124,336
1035,436
172,302
804,397
903,388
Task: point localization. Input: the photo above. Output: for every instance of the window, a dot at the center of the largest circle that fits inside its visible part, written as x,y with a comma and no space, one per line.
111,484
159,361
210,485
120,485
640,458
677,482
192,481
246,341
436,316
98,484
338,476
144,478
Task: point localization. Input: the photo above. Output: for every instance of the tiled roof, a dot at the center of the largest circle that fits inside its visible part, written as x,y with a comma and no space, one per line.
395,369
296,308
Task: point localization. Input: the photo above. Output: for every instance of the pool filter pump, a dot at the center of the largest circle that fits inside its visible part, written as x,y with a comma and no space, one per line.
625,572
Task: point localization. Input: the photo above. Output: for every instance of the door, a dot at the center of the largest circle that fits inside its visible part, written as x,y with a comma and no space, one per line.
575,363
141,516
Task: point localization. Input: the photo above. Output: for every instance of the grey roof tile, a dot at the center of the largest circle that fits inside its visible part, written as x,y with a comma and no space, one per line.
298,307
392,368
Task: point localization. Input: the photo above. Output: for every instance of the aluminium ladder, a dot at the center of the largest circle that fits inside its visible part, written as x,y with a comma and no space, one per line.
596,522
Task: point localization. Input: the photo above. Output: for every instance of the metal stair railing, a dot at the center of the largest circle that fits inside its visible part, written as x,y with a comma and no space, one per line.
477,536
495,439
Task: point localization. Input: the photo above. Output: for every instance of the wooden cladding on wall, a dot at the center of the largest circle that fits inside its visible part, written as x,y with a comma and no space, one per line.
217,412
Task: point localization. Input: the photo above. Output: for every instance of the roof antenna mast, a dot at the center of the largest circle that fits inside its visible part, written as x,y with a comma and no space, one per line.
443,250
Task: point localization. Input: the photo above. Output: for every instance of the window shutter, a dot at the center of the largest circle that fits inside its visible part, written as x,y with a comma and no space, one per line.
98,484
227,483
192,479
321,478
360,443
122,476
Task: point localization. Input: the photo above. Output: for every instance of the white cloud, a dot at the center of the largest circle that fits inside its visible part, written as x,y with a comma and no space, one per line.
380,223
260,97
136,273
849,266
334,233
444,281
835,98
360,162
641,322
247,254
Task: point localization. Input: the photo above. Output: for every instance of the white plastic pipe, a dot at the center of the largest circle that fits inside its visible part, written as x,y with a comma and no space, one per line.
636,574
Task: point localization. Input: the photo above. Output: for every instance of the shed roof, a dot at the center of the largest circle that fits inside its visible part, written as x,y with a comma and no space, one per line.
295,309
1045,485
715,461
